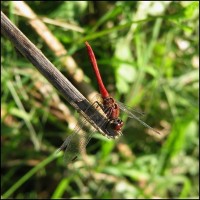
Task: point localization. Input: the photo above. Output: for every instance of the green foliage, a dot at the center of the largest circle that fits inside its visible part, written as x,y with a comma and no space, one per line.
149,59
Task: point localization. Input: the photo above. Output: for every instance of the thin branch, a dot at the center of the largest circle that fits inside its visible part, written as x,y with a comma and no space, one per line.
55,77
75,73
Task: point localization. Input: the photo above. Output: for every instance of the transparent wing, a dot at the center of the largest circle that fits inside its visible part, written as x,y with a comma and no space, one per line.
130,112
77,141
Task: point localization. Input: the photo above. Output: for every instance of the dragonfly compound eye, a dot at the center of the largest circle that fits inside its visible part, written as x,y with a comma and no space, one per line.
117,124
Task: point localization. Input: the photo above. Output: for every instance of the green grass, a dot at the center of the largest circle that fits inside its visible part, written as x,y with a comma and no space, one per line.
148,60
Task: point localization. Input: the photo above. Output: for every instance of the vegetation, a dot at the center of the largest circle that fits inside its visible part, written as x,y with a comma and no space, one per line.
149,59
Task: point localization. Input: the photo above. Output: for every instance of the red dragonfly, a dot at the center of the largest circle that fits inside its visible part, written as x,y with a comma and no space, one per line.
110,107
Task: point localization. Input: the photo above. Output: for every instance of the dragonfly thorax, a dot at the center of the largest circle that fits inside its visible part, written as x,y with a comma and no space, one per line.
111,109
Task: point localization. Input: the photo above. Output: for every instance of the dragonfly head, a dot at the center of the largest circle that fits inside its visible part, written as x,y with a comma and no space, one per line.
117,124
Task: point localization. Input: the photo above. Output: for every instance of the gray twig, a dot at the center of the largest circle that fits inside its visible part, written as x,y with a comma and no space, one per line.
53,75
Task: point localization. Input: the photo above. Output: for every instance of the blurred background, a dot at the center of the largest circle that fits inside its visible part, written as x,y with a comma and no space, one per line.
148,56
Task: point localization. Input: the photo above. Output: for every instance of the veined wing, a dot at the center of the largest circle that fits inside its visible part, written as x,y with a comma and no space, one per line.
130,112
77,141
133,111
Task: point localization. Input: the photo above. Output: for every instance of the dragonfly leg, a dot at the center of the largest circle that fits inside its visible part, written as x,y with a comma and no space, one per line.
98,104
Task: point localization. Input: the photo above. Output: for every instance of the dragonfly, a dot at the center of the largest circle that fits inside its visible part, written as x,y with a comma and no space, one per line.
111,108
